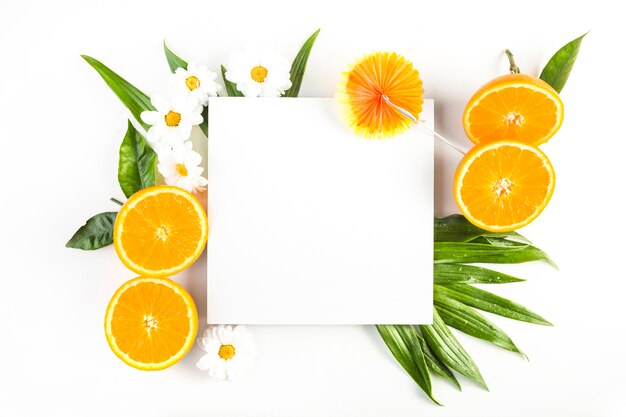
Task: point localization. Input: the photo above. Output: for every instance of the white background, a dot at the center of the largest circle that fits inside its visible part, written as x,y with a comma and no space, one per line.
60,129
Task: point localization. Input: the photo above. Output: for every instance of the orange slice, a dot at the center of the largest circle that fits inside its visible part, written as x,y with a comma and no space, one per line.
151,323
513,107
502,186
160,231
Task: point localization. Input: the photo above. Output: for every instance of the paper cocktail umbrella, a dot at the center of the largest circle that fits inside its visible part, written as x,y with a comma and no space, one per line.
381,95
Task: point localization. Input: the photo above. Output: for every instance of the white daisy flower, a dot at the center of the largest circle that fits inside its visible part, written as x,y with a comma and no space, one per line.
179,167
262,73
196,81
172,121
230,352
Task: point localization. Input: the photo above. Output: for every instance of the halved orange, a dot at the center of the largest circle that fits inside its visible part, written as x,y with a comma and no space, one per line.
513,107
160,231
504,185
151,323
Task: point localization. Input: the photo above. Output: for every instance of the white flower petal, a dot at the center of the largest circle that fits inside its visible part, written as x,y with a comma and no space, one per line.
195,118
162,104
169,173
182,182
182,131
151,117
237,75
192,158
207,361
250,89
239,331
225,334
233,369
218,370
155,133
179,103
201,96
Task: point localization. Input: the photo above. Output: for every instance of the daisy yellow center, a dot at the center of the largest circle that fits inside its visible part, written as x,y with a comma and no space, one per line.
502,187
259,74
192,82
226,352
172,118
182,170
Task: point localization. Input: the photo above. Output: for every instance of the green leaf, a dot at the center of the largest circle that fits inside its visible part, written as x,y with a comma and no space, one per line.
460,252
136,169
134,100
456,228
299,66
403,342
489,302
173,60
498,241
461,317
231,88
557,70
205,121
436,365
96,233
443,343
469,274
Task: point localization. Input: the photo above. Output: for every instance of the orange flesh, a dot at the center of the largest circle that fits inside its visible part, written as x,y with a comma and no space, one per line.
161,235
160,231
513,107
165,334
503,187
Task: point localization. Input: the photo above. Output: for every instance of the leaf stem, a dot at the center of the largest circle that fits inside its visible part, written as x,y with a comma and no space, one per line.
512,66
116,201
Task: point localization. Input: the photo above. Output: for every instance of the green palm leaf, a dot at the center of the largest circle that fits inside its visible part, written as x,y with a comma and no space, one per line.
449,273
436,365
133,98
448,349
469,252
299,66
491,303
173,60
456,228
469,321
403,342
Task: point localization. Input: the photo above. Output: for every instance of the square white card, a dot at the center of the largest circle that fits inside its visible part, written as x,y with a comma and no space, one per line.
312,224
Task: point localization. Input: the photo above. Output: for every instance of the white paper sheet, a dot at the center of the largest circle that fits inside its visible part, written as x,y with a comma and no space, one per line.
312,224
